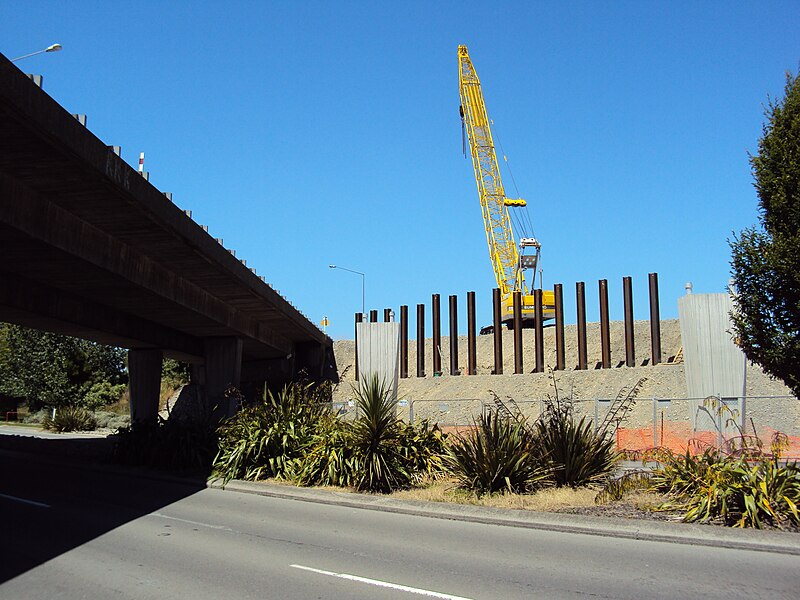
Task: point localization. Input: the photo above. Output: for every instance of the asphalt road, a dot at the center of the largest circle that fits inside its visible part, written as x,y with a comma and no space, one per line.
74,533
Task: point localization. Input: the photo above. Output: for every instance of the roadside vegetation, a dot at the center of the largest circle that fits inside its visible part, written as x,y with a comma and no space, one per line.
506,459
295,436
765,259
553,462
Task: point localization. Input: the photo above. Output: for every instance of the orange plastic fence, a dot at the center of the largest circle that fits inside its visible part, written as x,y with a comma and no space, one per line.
679,437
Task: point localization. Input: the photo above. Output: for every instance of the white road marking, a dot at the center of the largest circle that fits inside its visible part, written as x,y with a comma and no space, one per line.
385,584
24,501
187,521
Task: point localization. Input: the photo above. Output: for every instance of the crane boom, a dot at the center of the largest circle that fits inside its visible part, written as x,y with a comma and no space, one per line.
508,260
502,247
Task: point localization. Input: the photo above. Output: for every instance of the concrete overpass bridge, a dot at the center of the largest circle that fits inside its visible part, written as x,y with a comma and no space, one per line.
89,248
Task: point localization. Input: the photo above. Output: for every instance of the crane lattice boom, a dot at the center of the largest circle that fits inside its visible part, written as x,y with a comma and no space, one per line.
508,260
502,247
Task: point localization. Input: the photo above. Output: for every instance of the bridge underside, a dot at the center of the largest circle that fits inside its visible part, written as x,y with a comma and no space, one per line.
90,248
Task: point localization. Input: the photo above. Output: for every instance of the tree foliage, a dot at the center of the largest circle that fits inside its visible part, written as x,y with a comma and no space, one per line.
49,369
765,260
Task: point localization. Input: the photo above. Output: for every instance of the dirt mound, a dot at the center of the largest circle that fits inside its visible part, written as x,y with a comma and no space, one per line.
662,381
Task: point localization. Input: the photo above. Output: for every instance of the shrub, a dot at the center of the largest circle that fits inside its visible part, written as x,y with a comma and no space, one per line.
423,447
377,452
171,445
499,454
37,416
577,454
376,440
729,489
102,394
268,438
107,419
331,460
167,444
70,418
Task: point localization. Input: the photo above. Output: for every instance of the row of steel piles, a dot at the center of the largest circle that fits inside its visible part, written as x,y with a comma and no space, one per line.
580,297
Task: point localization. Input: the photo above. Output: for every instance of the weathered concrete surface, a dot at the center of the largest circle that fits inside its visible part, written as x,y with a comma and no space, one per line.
90,248
455,400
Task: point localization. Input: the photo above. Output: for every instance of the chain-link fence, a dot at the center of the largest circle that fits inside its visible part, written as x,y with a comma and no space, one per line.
640,424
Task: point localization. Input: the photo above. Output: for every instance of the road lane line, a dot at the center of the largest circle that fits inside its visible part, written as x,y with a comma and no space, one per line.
385,584
24,501
187,521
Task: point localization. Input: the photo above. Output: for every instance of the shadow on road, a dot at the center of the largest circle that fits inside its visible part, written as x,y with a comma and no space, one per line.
57,494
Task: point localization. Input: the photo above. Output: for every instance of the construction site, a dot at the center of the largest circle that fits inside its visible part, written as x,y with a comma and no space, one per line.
677,383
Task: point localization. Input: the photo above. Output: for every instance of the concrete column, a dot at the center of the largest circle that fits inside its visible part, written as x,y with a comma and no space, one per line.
144,383
223,357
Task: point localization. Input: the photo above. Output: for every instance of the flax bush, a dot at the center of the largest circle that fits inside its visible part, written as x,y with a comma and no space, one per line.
271,437
499,454
167,444
377,452
730,490
577,454
70,418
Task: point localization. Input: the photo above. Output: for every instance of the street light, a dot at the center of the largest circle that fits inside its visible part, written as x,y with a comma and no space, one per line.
53,48
362,281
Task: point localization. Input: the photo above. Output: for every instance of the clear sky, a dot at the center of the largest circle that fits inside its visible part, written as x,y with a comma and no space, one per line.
309,133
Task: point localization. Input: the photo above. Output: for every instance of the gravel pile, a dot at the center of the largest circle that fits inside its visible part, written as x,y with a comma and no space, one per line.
465,393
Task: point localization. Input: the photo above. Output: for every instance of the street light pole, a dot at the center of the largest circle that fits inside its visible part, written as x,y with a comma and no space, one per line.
52,48
362,281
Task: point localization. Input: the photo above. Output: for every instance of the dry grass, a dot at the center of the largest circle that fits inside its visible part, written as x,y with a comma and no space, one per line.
547,500
637,504
645,500
121,406
167,391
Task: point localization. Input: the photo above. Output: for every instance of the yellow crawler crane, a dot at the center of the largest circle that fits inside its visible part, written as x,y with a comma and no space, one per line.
509,261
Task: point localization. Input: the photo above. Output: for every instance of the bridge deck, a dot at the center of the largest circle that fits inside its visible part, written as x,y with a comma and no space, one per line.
90,248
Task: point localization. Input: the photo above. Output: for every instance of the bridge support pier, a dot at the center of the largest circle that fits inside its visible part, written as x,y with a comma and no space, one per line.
144,376
223,362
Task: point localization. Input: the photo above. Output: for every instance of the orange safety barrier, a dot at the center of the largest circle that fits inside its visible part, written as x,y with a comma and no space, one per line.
679,437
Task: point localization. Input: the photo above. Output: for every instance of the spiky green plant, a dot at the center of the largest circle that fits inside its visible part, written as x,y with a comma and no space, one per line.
331,459
376,439
167,444
377,452
269,438
499,454
715,487
578,455
70,418
423,447
615,488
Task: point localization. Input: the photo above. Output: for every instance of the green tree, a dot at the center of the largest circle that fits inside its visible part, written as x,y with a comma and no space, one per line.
765,260
52,369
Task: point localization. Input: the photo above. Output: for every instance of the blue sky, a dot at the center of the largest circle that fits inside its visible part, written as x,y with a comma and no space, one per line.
310,133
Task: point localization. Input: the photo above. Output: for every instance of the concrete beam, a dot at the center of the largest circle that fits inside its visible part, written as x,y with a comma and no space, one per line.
30,304
59,139
44,221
